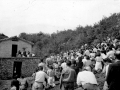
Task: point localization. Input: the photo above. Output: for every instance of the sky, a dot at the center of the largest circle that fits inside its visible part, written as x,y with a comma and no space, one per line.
48,16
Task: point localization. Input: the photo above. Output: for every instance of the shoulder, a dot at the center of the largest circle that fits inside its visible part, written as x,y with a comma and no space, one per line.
13,88
79,73
39,72
115,64
82,72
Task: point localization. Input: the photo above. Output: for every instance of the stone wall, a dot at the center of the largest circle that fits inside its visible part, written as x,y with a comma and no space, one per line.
28,66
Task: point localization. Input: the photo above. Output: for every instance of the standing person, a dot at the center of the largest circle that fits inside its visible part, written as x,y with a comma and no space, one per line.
63,64
68,77
23,83
19,54
113,75
56,69
110,53
49,61
87,80
98,64
88,61
24,53
107,62
42,64
87,52
84,60
40,77
79,64
51,75
73,64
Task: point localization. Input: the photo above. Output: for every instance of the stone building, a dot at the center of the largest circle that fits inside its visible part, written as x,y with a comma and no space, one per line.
10,64
10,46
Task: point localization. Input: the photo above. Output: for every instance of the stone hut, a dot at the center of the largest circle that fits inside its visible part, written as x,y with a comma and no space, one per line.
10,46
10,64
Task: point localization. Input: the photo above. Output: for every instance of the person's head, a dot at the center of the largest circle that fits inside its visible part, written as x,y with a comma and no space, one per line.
40,68
93,61
41,60
73,62
87,57
103,51
22,76
36,70
98,54
110,47
87,68
65,59
68,63
19,51
51,67
117,55
80,59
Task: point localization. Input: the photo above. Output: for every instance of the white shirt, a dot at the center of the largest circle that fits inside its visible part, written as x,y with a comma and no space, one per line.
107,69
87,52
95,49
13,88
86,77
40,76
84,60
92,55
103,56
98,64
110,54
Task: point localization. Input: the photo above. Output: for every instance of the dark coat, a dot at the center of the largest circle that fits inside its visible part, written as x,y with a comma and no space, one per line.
113,76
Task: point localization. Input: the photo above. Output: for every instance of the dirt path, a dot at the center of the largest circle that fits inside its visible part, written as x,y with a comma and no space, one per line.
6,83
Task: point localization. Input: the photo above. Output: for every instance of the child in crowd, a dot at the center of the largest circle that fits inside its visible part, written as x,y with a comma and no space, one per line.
51,75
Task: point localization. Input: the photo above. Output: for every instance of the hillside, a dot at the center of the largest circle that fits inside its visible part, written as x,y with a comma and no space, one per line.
46,44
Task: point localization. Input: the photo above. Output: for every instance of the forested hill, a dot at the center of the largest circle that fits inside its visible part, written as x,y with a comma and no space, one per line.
46,44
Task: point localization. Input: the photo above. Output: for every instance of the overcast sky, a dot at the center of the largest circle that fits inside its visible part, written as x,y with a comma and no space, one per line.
48,16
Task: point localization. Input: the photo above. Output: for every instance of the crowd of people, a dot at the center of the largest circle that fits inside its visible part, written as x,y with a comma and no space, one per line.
78,68
24,53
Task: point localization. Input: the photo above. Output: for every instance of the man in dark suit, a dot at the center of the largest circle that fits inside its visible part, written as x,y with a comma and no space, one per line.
113,76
